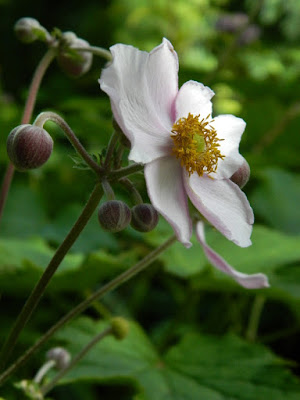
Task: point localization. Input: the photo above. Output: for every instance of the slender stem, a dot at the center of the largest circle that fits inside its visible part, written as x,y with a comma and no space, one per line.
51,116
254,318
137,198
46,388
108,190
119,280
120,173
40,287
98,51
43,371
28,109
110,148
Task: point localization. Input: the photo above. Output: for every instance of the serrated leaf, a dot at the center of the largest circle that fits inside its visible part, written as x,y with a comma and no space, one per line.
199,367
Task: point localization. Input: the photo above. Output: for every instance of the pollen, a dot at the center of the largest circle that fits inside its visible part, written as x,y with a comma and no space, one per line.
196,144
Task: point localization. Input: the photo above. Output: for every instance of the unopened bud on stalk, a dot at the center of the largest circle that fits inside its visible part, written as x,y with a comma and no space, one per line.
74,62
120,327
242,175
61,357
114,215
144,217
29,146
29,30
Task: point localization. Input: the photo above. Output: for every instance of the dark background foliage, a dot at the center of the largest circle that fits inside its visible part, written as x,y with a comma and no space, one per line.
254,70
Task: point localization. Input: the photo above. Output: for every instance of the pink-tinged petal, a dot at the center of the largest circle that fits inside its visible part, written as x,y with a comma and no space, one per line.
230,129
166,191
142,88
224,205
194,98
254,281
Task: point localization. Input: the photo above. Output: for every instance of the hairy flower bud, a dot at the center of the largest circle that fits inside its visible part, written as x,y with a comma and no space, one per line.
74,62
120,327
29,146
242,175
29,30
61,357
144,217
114,215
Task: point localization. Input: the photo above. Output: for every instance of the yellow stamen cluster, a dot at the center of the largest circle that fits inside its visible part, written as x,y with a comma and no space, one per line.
196,144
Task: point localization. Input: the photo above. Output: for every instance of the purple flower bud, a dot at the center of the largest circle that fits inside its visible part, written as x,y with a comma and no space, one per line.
241,176
144,217
61,357
29,30
114,215
74,62
29,147
251,34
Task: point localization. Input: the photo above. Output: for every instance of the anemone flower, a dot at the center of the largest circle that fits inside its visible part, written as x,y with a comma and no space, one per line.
186,153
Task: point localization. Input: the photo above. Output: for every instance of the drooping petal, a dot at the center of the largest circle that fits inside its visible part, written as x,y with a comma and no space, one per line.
166,191
254,281
194,98
229,129
223,204
142,88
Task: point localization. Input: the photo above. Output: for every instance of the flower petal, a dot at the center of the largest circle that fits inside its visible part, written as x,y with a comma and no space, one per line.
167,194
193,97
224,205
230,129
254,281
142,88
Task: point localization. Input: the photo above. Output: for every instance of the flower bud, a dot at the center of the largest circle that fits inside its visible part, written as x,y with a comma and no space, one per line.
74,62
29,146
242,175
61,357
144,217
114,215
29,30
232,22
120,327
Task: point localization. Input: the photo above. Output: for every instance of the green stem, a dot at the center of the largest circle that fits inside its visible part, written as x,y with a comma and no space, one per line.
122,172
46,388
110,149
98,51
51,116
28,109
254,318
137,198
119,280
40,287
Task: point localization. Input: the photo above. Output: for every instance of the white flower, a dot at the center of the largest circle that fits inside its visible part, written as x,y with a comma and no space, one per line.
186,153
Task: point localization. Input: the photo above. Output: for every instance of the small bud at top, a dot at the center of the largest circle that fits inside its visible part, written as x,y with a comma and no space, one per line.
144,217
232,22
120,327
61,357
29,30
29,146
242,175
74,62
114,215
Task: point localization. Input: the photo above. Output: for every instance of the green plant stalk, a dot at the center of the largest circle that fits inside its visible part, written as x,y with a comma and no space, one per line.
46,388
98,51
255,314
28,109
51,116
42,284
119,280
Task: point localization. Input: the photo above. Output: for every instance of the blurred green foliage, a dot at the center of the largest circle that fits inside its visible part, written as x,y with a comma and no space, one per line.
191,339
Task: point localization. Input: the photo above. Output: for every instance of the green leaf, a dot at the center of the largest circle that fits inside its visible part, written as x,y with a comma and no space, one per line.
277,199
199,367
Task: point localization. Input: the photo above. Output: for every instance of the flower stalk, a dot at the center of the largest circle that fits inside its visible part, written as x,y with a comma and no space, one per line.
113,284
27,114
42,284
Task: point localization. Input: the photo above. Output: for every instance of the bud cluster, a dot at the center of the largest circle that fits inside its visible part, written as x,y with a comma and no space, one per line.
115,215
